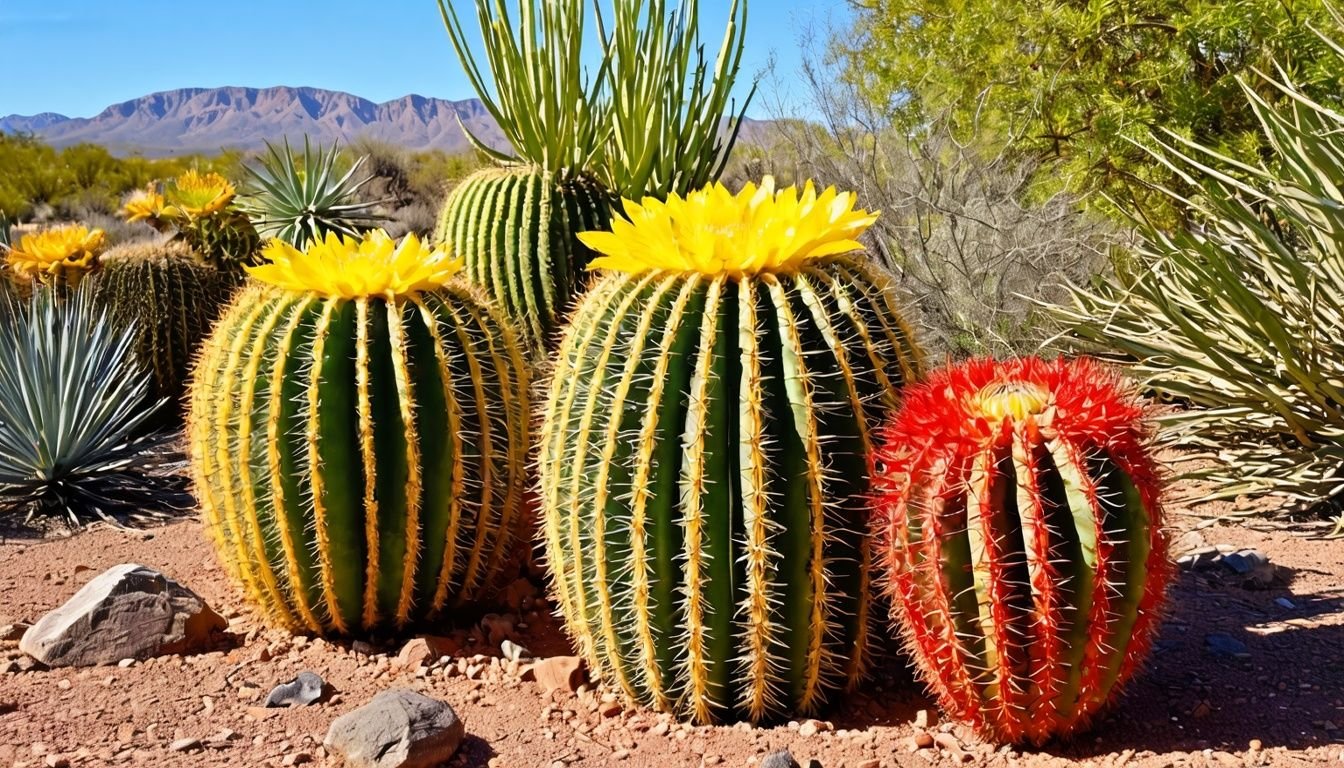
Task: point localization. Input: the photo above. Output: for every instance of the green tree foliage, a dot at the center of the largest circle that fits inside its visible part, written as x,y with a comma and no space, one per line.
1081,81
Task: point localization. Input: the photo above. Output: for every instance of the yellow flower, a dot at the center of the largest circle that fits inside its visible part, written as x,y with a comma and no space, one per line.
199,194
715,232
62,252
375,265
146,204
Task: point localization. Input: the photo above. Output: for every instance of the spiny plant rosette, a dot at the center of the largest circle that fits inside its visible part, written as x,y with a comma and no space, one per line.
170,298
515,226
358,428
58,256
703,458
305,200
1019,515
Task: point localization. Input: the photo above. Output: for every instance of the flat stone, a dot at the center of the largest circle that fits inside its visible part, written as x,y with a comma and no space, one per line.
129,611
781,759
397,729
11,632
1223,644
299,692
564,673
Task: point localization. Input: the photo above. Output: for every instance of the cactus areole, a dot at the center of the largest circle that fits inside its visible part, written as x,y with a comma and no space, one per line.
358,434
704,453
1020,519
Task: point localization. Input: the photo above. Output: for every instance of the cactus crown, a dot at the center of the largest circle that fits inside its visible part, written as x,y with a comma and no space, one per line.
347,267
714,232
60,252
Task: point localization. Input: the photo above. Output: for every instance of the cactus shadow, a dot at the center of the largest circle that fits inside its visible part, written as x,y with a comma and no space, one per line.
1197,694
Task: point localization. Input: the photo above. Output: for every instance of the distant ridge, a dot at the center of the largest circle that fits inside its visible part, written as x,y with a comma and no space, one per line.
210,119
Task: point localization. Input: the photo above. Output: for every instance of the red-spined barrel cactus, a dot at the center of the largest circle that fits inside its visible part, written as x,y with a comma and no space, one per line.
1020,516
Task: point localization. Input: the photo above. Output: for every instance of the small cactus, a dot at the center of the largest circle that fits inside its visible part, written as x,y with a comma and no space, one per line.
704,451
170,298
358,431
515,229
1019,514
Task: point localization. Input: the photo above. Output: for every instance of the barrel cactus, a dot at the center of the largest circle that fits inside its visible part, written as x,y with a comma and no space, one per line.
515,226
516,230
704,451
170,298
358,428
1019,514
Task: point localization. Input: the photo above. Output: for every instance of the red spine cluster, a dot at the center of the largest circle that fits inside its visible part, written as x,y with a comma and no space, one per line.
1019,514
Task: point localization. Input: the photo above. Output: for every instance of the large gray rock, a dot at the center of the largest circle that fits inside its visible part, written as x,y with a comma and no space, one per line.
129,611
397,729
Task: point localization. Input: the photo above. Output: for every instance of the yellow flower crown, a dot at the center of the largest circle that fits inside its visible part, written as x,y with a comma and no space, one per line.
348,267
714,232
66,251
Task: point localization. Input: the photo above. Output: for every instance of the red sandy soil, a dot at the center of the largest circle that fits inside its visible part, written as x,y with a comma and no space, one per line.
1282,706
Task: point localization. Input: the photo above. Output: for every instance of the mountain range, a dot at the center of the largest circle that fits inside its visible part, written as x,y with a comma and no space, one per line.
207,120
210,119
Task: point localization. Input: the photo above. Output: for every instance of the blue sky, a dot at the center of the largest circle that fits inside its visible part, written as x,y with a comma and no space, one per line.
76,57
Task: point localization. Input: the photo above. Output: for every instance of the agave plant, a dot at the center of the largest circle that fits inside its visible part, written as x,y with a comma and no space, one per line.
305,200
668,108
72,401
1240,315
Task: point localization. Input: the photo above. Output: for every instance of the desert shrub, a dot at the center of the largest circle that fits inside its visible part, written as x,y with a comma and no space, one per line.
72,402
970,236
1240,315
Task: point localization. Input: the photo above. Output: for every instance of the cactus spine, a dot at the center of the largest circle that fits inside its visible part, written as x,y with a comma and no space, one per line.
1021,524
360,458
703,465
170,297
516,230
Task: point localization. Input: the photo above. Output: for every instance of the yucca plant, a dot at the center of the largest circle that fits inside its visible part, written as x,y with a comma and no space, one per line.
304,200
704,450
1239,316
73,401
1019,515
516,226
358,428
672,124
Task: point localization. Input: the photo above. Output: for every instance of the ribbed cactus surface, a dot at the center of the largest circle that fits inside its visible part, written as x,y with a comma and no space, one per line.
515,229
360,461
703,461
171,298
1021,523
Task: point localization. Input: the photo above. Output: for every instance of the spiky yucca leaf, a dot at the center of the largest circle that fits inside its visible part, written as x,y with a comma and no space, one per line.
73,400
540,100
305,200
667,105
1241,314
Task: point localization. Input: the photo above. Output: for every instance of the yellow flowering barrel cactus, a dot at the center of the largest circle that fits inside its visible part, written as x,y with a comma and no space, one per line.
704,450
59,256
199,208
359,428
169,297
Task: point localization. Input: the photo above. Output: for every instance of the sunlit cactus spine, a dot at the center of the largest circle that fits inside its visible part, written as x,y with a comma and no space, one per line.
1020,519
358,428
169,297
516,229
704,455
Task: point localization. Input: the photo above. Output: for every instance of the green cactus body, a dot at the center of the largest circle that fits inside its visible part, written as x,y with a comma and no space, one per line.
516,229
170,297
703,467
360,461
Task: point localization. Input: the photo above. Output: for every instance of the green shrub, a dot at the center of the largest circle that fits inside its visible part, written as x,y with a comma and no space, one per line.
1240,315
